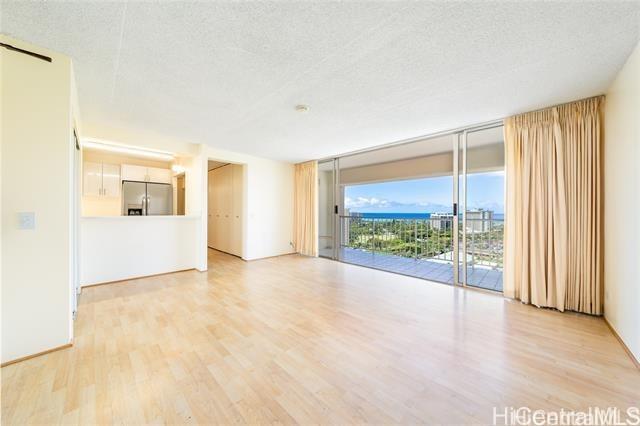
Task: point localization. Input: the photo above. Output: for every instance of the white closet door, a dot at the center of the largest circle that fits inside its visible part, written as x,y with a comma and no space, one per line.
226,175
211,228
111,180
92,178
217,202
236,227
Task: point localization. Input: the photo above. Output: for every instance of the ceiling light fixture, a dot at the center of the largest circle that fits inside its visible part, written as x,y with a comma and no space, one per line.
302,108
177,168
124,149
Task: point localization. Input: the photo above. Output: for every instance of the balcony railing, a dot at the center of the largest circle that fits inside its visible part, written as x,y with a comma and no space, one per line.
425,238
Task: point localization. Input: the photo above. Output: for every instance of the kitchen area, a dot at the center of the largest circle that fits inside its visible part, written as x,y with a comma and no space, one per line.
129,183
137,218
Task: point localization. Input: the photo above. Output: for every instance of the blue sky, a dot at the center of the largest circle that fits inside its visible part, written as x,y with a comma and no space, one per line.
429,195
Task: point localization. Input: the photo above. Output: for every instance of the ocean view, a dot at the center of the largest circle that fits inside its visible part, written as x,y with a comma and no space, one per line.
496,216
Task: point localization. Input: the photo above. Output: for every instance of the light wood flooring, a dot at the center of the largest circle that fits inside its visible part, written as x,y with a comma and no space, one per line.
303,340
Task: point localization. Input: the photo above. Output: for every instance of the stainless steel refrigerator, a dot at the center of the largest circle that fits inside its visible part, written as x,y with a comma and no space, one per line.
146,199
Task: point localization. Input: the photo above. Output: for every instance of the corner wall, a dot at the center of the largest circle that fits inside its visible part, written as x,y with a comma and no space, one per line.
37,154
622,204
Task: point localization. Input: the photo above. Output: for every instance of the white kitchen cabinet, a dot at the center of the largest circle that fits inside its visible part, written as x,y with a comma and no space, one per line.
225,209
101,179
146,174
158,175
92,178
134,173
111,182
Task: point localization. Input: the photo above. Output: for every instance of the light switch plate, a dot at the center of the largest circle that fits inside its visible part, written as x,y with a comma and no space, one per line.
27,220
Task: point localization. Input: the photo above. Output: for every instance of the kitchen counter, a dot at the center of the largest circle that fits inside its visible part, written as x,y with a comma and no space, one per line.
115,248
139,217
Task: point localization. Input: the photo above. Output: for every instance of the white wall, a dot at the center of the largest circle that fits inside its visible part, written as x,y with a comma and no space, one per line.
122,247
37,271
622,203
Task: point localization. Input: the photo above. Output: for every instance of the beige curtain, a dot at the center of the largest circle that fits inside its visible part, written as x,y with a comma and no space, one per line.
305,223
553,238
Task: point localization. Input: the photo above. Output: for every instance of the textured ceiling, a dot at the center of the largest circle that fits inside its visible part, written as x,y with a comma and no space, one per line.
229,74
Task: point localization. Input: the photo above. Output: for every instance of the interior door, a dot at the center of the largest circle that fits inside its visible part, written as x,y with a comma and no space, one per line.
327,209
180,195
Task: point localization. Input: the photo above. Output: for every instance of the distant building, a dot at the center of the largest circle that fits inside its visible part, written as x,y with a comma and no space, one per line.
479,220
441,221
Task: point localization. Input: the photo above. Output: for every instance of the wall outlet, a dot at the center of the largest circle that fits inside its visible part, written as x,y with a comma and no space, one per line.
26,220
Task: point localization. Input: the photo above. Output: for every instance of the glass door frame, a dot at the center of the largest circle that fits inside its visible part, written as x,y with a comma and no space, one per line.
460,146
338,204
456,208
335,217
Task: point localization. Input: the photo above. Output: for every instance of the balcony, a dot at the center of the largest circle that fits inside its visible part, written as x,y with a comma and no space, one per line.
424,247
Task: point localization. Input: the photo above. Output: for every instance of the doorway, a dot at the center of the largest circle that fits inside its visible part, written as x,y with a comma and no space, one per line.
432,209
180,194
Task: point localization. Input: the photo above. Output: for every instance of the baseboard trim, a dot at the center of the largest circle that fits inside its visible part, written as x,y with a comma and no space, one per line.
48,351
225,252
253,258
136,278
624,345
270,257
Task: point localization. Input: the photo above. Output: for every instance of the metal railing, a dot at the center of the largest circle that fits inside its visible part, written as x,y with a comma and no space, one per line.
485,242
425,238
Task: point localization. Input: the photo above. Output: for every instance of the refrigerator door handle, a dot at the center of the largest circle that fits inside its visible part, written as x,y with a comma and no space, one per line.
148,203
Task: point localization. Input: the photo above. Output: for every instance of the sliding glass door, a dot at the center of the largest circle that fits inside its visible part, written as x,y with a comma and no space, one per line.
326,208
481,207
432,209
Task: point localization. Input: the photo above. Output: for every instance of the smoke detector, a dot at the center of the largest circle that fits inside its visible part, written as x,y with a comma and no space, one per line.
302,108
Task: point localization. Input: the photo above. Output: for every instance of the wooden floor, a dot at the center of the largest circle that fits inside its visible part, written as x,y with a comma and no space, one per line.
304,340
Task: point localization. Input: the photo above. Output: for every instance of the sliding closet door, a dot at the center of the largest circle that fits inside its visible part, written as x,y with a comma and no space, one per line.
236,213
226,199
212,206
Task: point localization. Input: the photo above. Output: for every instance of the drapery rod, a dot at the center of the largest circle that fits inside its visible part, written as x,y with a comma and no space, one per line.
26,52
473,127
